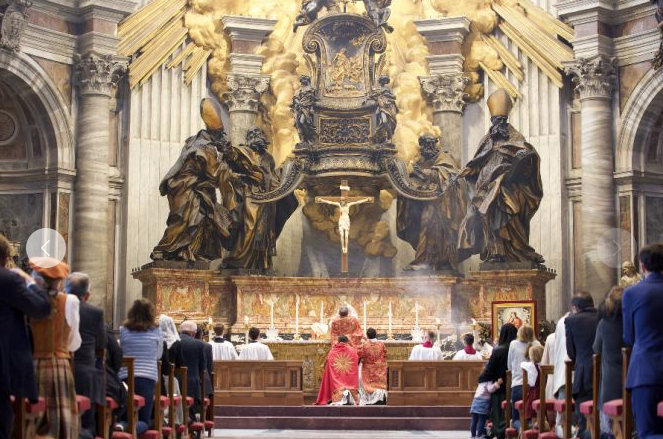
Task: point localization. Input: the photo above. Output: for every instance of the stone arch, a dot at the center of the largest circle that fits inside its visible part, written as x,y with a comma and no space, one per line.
29,80
641,112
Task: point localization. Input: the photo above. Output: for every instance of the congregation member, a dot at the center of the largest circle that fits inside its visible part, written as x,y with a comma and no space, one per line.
518,350
495,370
340,380
222,349
468,353
348,325
255,350
209,363
608,344
114,387
481,405
55,338
141,338
172,357
580,332
88,375
533,368
427,351
559,358
372,370
548,359
193,351
642,308
20,297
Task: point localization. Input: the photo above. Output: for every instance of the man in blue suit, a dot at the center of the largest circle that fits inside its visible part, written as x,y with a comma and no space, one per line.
20,296
643,310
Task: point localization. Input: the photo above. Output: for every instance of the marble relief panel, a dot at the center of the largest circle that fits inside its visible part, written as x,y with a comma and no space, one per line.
20,215
654,219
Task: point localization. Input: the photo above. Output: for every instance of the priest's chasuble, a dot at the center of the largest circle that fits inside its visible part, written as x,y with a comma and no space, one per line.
341,377
426,352
256,351
373,372
348,326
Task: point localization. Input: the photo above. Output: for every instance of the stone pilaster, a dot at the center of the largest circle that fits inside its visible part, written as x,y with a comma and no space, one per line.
244,82
446,94
595,82
445,88
96,77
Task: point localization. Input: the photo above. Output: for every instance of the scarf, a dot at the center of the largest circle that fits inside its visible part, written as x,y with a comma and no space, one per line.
428,344
167,325
470,350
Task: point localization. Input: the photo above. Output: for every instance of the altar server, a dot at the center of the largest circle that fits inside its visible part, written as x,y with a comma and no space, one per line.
372,370
255,350
222,349
426,351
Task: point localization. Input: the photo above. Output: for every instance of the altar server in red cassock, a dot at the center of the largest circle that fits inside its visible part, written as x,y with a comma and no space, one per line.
348,325
340,381
373,379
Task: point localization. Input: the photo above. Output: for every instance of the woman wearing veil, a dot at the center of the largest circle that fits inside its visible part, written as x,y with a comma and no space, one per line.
172,357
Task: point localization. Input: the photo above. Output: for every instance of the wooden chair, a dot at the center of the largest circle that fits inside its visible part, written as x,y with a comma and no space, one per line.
507,406
198,427
587,408
207,415
182,430
542,406
565,406
132,410
520,405
620,410
26,416
157,412
174,402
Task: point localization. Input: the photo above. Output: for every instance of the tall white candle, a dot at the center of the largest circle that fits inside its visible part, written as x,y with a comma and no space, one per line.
416,314
297,316
437,322
390,315
321,311
272,315
365,327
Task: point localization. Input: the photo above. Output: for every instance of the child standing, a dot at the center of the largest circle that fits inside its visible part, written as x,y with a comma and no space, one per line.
480,409
533,367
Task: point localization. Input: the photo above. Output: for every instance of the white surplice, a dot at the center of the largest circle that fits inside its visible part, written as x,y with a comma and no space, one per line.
256,351
422,353
223,351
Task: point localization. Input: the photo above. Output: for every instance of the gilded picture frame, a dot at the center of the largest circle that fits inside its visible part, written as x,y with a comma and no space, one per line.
518,312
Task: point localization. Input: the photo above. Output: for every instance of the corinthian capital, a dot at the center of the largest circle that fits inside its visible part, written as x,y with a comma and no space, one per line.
14,21
595,77
446,92
244,91
99,74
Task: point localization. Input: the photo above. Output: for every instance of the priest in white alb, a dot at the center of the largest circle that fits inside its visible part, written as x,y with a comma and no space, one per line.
255,350
427,351
222,349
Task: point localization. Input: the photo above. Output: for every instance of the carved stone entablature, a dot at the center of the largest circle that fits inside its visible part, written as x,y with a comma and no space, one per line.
594,78
14,20
446,92
345,131
99,74
244,91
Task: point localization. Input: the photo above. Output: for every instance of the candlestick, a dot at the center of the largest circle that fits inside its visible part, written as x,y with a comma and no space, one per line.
416,314
297,336
321,311
437,322
365,327
390,334
246,326
271,313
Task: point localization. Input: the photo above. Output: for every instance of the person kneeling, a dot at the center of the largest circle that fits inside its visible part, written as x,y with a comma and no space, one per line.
340,381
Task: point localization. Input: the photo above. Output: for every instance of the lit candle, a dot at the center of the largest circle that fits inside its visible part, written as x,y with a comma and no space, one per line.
437,322
390,315
246,320
365,327
416,314
271,312
297,317
321,311
246,323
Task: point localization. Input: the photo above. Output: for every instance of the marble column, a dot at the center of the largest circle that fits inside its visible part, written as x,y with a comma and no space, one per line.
96,77
445,87
244,81
595,81
446,94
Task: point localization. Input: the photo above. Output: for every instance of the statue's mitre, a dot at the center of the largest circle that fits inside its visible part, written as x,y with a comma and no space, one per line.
211,114
500,103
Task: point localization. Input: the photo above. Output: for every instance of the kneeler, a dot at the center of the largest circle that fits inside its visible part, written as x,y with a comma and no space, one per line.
541,406
620,410
588,408
26,416
506,406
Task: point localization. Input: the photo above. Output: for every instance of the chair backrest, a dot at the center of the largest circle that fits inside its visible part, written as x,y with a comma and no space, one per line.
158,413
171,396
182,372
568,396
202,407
596,386
524,423
507,406
103,412
626,395
128,362
544,372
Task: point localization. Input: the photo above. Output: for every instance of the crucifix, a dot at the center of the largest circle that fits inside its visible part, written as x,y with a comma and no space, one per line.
344,203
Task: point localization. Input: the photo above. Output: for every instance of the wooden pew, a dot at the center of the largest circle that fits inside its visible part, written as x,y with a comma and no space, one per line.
26,416
258,383
620,410
443,383
542,405
588,408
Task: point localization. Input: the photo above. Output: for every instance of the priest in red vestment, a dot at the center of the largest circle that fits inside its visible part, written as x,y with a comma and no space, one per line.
345,324
373,378
340,381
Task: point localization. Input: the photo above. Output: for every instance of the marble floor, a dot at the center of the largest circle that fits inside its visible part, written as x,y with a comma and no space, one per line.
326,434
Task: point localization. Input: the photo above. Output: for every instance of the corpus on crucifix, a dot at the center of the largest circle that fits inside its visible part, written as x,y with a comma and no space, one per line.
344,203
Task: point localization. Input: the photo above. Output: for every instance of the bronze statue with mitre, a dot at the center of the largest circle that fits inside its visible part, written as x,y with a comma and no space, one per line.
505,173
198,225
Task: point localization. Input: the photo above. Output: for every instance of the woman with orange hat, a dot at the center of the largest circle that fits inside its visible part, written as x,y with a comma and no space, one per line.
55,338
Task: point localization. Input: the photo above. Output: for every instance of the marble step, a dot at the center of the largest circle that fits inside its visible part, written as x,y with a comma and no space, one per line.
341,423
345,411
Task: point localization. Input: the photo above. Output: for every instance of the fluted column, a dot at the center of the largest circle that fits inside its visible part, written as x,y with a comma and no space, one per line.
243,101
96,77
595,81
446,94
